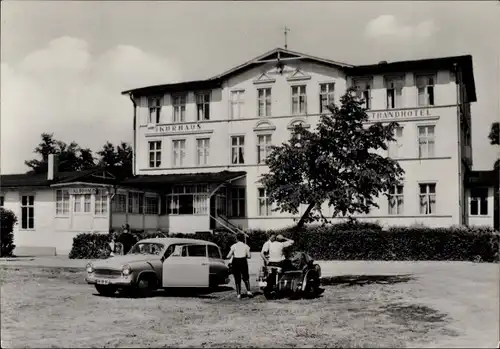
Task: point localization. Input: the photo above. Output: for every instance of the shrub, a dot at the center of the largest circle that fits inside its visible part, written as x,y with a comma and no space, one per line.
8,219
90,246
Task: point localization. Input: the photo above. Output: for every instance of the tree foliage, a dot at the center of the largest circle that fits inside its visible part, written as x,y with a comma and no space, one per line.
70,156
336,163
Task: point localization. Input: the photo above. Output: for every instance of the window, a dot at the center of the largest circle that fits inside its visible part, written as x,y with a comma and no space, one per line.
197,250
2,200
425,87
155,154
237,150
264,207
264,101
363,92
188,199
238,202
203,106
426,141
120,203
393,146
427,198
326,96
62,202
202,151
27,212
263,148
154,104
101,202
152,205
478,202
179,154
82,203
237,102
299,102
396,200
136,203
179,103
213,252
394,89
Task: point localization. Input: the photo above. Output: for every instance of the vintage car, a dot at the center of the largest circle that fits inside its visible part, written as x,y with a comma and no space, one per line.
157,263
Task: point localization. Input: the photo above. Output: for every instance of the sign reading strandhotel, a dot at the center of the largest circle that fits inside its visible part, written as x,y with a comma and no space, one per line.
399,114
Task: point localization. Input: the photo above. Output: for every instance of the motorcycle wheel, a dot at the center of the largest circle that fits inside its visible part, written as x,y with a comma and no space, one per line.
312,287
269,294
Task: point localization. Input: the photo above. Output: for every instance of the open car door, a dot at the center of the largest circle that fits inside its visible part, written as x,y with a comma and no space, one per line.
186,266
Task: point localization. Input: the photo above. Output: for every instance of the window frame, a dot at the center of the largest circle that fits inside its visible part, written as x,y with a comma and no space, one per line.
30,211
197,196
179,103
266,147
202,152
101,201
149,206
155,162
239,146
300,95
135,206
363,86
81,200
119,206
206,97
428,195
396,195
267,204
391,84
238,199
63,206
329,94
482,201
267,99
393,147
426,87
179,153
154,107
240,102
428,155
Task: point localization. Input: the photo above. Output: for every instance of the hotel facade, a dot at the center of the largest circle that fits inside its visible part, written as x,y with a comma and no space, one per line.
200,146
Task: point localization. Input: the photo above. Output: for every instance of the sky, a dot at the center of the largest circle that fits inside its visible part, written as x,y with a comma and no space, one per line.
64,63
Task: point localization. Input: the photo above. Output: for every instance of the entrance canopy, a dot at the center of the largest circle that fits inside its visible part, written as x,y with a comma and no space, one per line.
152,181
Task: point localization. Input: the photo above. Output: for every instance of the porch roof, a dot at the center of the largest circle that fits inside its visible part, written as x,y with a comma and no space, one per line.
482,178
183,178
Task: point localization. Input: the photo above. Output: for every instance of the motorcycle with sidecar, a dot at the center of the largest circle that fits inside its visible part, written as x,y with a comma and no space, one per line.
297,277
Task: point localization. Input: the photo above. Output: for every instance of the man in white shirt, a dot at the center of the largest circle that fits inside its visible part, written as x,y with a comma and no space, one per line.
275,250
264,253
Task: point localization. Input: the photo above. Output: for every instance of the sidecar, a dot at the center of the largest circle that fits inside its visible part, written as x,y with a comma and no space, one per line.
299,278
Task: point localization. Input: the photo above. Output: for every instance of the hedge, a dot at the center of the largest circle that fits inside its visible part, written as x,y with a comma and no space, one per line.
8,220
349,241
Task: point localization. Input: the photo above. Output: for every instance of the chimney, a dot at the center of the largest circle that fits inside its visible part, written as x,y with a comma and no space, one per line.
52,167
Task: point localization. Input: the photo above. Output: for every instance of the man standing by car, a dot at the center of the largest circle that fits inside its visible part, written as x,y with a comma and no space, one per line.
264,253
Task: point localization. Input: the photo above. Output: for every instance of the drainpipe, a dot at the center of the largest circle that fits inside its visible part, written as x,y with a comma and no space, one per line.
458,82
131,96
110,214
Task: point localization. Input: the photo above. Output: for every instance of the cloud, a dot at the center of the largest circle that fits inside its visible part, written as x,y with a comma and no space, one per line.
63,88
387,27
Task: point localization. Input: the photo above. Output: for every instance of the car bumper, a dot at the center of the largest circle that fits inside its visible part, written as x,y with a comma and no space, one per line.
123,281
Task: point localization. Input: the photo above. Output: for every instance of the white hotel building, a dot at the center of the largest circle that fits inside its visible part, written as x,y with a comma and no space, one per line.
199,148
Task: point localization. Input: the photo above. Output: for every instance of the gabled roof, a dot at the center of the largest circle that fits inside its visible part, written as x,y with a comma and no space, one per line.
216,81
40,179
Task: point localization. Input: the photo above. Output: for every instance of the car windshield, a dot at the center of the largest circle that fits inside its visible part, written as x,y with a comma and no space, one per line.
146,248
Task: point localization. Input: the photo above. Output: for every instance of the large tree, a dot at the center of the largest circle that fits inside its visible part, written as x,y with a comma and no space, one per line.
70,156
116,159
336,163
494,137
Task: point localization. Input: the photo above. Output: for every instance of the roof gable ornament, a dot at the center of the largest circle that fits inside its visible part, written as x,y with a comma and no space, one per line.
299,75
264,79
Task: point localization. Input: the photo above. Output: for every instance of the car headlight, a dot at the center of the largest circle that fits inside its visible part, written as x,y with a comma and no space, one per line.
89,268
126,270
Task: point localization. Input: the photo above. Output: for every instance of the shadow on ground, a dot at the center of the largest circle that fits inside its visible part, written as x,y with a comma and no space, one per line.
361,280
180,293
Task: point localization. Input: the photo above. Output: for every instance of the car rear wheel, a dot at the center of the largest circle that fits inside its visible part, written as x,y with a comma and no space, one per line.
105,290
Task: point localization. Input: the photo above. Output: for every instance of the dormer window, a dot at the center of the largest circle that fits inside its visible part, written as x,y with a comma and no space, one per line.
425,87
154,104
363,92
203,106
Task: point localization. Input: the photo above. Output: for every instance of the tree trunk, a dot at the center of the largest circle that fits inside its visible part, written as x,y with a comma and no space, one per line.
302,220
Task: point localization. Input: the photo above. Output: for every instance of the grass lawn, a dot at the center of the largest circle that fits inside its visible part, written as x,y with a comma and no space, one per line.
430,305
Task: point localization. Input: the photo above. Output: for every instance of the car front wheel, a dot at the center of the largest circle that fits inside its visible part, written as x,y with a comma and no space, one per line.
105,290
